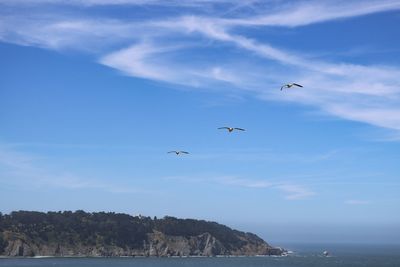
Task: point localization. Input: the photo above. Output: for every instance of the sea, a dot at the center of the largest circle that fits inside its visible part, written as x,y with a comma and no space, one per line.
300,255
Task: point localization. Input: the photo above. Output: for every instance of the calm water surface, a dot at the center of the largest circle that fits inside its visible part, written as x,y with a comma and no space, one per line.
303,256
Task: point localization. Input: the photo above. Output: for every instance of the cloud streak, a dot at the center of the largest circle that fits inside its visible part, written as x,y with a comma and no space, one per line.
310,12
26,170
294,192
153,49
116,2
290,191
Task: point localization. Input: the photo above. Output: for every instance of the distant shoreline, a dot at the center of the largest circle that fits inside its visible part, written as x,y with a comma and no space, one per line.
109,234
141,257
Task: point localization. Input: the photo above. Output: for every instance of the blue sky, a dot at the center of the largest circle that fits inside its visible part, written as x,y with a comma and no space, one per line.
94,93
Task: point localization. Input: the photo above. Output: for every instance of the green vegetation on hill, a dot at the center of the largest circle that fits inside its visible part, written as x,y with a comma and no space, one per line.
111,229
79,227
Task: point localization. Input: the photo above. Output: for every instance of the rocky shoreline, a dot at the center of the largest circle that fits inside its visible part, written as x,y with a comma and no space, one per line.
158,245
138,237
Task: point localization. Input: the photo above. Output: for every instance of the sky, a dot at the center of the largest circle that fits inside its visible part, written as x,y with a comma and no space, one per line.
93,94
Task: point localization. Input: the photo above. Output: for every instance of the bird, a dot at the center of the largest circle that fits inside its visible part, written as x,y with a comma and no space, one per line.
230,129
178,152
290,85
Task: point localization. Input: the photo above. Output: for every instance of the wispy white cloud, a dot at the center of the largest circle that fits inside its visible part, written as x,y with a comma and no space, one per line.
26,170
294,191
290,190
116,2
150,61
152,49
65,32
138,60
371,92
309,12
235,181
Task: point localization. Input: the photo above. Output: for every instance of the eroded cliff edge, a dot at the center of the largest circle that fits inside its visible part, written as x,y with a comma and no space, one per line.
111,234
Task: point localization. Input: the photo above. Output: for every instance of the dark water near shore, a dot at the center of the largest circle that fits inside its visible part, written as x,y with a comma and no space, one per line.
302,256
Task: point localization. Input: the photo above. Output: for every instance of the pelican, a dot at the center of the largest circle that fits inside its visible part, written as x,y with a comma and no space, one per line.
230,129
178,152
290,85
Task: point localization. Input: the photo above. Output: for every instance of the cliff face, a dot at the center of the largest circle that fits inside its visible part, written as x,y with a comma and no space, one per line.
157,244
161,238
204,245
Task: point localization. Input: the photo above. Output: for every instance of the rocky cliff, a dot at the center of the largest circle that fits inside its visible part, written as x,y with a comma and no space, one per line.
87,234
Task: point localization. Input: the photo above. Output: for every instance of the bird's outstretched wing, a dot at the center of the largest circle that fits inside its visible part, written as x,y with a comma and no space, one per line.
171,151
223,127
240,129
184,152
283,86
299,85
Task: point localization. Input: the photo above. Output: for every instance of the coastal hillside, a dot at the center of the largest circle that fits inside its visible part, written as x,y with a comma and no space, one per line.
29,233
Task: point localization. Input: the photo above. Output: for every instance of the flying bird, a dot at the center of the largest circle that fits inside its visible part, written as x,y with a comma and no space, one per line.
289,85
231,129
178,152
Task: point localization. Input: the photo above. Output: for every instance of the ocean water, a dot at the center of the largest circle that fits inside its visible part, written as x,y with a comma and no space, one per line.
302,256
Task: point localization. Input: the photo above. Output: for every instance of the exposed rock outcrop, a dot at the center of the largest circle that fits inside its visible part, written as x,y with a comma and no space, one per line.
157,244
123,235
